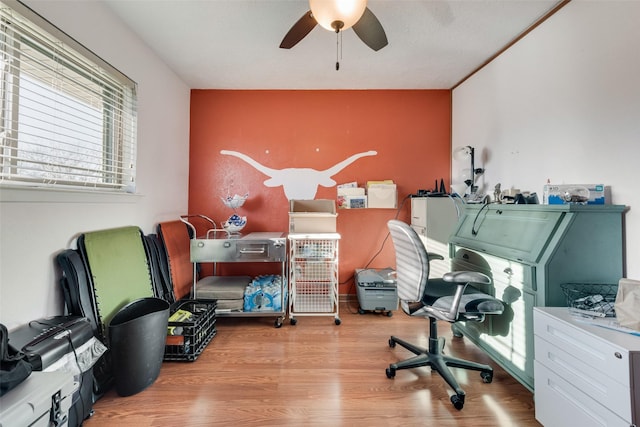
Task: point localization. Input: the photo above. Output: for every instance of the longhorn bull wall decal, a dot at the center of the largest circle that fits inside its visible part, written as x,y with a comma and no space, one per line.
299,183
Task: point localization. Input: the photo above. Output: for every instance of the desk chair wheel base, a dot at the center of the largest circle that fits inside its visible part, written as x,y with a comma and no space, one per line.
435,358
457,401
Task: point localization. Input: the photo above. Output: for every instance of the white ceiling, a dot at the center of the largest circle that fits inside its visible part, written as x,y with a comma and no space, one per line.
233,44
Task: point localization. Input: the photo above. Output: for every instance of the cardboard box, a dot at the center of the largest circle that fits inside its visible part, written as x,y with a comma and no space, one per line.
599,194
382,196
312,216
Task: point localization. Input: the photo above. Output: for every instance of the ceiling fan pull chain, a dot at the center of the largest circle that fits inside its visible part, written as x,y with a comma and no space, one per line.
338,55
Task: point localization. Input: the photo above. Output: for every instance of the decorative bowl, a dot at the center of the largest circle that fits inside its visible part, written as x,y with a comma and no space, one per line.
235,223
234,201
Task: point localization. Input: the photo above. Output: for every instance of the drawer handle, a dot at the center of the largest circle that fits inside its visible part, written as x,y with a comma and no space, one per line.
508,271
252,251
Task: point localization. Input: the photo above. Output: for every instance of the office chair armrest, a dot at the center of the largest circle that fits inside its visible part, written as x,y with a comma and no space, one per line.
431,256
462,279
466,276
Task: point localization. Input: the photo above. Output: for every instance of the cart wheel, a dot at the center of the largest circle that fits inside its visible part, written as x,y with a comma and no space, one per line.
338,321
361,311
293,321
278,323
389,313
487,377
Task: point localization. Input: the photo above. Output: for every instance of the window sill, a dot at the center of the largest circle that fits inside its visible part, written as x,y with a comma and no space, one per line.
11,194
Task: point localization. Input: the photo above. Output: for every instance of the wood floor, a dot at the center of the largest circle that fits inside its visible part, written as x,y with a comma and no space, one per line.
317,374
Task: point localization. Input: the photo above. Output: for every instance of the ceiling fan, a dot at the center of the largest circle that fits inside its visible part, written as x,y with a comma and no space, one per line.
338,15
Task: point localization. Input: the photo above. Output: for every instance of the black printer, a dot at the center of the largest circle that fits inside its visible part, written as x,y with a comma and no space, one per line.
51,343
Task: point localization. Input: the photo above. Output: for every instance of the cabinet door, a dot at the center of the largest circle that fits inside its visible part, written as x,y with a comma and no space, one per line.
508,337
516,232
419,211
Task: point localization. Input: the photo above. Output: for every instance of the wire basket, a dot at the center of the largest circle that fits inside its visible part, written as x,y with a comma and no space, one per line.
594,297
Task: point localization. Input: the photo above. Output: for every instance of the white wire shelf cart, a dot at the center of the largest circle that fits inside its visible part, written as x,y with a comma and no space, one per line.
221,246
313,275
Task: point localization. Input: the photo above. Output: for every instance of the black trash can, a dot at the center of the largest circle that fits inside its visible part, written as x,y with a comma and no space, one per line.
137,335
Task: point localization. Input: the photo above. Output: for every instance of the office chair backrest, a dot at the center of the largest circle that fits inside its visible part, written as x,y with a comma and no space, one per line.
412,264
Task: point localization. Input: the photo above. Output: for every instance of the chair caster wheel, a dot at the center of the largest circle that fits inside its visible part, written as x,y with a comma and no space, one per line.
391,373
458,401
487,377
293,321
392,343
456,332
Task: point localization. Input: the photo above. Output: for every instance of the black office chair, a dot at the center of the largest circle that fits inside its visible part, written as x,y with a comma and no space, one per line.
451,298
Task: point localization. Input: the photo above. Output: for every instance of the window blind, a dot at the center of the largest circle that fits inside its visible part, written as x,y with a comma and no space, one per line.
68,118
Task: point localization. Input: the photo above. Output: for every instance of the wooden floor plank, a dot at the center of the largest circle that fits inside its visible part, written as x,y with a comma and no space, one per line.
317,373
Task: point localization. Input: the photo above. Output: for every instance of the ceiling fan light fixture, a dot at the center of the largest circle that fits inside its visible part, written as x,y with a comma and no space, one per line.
337,15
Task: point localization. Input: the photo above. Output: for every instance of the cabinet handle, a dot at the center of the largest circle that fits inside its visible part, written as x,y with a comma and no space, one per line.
617,355
252,251
508,271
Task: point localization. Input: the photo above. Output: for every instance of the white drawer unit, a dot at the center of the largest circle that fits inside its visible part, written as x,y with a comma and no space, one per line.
585,375
313,275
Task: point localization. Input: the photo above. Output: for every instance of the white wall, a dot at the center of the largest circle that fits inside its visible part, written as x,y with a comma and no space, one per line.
563,104
35,226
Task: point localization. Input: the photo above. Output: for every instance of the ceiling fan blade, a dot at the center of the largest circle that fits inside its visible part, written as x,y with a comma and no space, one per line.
370,31
299,30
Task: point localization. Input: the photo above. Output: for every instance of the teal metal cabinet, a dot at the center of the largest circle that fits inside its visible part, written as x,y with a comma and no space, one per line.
529,251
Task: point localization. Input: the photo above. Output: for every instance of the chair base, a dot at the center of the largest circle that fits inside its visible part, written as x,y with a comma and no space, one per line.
437,361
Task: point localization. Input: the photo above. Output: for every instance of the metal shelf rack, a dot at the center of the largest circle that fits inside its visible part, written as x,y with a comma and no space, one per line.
221,246
313,275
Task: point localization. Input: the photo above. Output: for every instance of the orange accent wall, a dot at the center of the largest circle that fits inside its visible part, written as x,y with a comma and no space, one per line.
409,129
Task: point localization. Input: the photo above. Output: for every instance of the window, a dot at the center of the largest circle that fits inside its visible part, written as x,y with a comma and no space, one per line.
68,118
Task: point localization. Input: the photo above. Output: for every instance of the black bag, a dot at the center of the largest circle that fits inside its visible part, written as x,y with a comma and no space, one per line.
14,367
